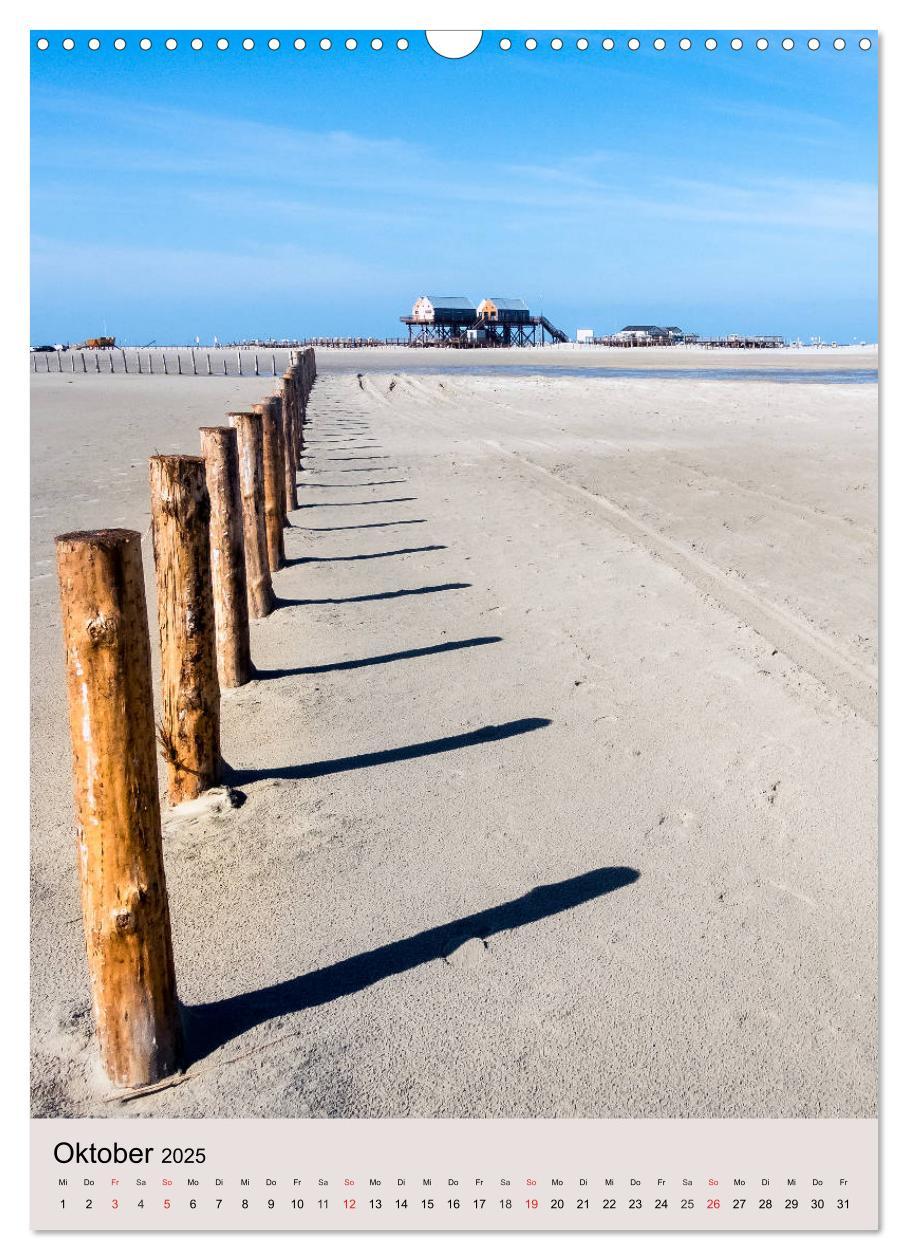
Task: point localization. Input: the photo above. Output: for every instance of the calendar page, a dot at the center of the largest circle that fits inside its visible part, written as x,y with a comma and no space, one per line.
454,627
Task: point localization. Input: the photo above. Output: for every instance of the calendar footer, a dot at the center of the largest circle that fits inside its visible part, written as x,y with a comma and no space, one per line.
301,1174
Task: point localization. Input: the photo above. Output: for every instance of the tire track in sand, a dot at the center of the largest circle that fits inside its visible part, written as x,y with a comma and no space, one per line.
810,649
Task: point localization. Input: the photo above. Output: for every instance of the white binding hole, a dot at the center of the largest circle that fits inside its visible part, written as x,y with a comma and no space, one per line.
583,43
762,43
170,44
684,44
69,44
864,44
274,44
299,44
633,43
223,43
324,44
813,44
350,44
248,44
608,44
737,44
403,44
504,44
838,44
712,44
453,44
94,44
42,44
119,44
145,44
659,44
788,43
557,44
377,43
530,44
195,43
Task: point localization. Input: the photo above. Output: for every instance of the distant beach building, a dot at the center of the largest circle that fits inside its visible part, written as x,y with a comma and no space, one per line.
443,310
503,310
456,321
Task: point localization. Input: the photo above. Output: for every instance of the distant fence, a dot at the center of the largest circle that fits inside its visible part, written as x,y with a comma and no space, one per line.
164,361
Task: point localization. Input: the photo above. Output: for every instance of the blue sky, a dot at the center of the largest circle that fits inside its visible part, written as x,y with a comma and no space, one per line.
293,193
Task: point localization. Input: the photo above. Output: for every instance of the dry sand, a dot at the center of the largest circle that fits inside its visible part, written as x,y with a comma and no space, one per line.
560,772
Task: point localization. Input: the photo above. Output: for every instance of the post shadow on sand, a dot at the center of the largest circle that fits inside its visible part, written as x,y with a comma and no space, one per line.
368,555
348,485
367,599
333,529
407,498
213,1024
387,659
386,756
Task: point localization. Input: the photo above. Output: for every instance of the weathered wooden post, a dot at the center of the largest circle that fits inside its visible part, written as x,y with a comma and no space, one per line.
256,358
97,363
259,590
125,364
59,362
208,361
291,401
190,697
272,461
164,357
239,363
118,819
228,556
273,366
195,370
291,500
179,364
84,368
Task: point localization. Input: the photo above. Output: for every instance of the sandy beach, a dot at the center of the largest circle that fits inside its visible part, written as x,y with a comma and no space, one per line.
560,767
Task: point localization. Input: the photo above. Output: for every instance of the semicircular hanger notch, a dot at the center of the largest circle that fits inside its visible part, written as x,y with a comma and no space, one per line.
453,44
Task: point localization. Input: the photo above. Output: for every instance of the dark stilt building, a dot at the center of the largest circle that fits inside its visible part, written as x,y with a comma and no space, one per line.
455,321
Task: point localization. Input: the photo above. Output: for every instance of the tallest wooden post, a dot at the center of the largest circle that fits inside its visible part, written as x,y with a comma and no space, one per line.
111,719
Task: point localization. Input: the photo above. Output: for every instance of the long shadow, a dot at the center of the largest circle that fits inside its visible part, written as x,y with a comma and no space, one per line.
367,599
369,555
333,529
407,498
345,459
387,659
374,469
348,485
386,756
213,1024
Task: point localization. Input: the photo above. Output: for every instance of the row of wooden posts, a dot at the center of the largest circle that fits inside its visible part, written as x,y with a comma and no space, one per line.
217,527
117,361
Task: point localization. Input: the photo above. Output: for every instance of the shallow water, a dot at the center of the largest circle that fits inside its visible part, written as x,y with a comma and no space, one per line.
783,376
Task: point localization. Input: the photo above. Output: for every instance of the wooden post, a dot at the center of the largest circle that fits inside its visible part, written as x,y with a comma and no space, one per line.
239,363
273,468
97,362
190,697
208,361
273,366
228,556
179,364
257,364
164,357
118,818
291,501
59,362
259,591
291,403
84,368
125,364
195,370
